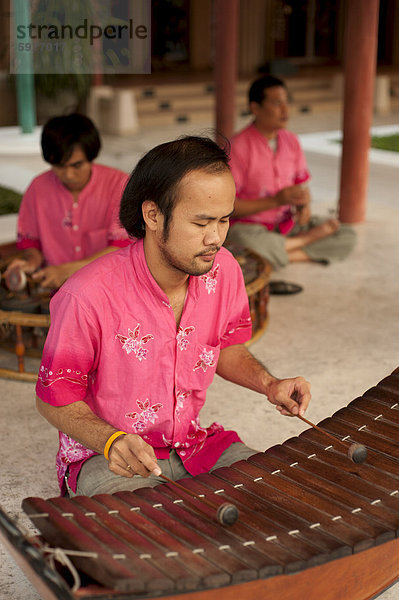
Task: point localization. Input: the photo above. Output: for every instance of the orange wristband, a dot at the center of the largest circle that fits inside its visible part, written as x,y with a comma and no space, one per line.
111,440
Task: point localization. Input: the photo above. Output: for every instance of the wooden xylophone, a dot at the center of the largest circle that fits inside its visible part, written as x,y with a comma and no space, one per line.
312,523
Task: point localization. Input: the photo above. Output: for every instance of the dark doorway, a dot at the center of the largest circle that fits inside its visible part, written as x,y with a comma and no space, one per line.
170,34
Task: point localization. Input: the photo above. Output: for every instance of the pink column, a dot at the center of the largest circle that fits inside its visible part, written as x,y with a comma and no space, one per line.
360,54
226,45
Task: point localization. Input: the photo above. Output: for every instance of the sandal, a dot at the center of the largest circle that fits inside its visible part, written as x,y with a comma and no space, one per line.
284,287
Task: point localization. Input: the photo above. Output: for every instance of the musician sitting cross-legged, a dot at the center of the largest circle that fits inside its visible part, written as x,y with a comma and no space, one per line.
69,214
272,212
137,336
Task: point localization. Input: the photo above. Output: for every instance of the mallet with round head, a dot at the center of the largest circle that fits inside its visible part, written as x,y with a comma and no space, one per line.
226,514
357,453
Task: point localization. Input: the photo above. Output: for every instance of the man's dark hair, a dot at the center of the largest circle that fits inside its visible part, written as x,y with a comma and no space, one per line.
257,90
61,135
157,176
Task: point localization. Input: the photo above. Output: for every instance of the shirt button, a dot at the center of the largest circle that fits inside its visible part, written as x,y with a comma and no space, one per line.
75,227
77,248
177,444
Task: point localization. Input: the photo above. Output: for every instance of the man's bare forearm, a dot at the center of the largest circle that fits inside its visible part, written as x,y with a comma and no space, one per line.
79,422
75,265
238,365
55,275
295,195
244,208
290,396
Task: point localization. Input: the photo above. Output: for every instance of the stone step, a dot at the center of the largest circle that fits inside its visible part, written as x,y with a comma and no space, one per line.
312,94
196,88
172,90
319,106
195,105
201,114
158,119
163,102
193,102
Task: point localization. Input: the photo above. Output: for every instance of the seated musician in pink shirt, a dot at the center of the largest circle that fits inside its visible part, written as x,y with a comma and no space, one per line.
272,214
137,336
69,215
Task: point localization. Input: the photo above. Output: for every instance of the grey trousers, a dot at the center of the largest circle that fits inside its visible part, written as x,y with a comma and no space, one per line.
96,478
271,244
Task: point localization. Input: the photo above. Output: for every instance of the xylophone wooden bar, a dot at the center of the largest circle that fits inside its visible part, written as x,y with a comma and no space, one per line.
235,569
169,555
376,409
382,463
261,560
260,514
373,475
99,521
60,530
304,504
310,519
344,428
341,496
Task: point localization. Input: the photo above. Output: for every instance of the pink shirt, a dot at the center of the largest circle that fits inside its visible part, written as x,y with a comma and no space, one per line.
259,172
113,344
66,231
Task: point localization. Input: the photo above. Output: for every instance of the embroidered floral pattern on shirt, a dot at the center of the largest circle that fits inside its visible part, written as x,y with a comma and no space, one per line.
210,279
48,377
199,433
67,220
70,451
181,337
147,414
132,343
166,441
22,237
301,176
198,437
206,360
242,325
181,396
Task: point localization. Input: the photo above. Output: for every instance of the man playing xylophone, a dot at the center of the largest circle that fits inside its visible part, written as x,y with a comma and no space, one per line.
137,336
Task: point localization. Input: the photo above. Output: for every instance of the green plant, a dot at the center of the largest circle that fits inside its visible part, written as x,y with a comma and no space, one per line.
60,63
382,142
386,142
9,201
50,84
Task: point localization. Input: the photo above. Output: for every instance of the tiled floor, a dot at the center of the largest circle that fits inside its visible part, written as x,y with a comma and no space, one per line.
341,333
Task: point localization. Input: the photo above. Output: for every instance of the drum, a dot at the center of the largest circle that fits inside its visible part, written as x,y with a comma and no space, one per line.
312,524
24,319
256,272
